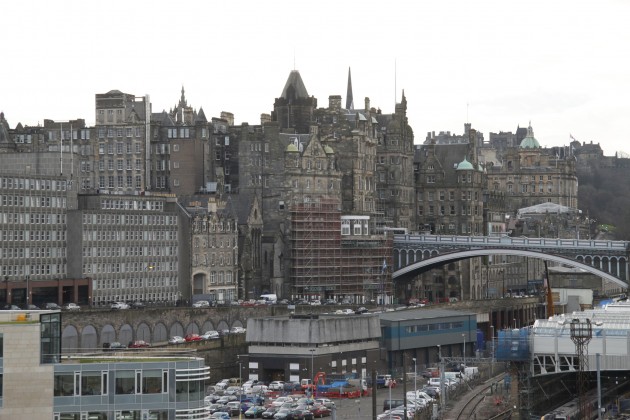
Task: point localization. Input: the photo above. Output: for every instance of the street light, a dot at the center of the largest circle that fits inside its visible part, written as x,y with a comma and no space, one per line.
240,379
492,355
464,351
312,374
415,377
442,390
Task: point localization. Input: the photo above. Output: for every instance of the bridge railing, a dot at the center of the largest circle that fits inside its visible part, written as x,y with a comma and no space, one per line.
508,241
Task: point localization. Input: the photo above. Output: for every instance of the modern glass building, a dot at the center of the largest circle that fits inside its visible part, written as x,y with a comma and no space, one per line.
37,381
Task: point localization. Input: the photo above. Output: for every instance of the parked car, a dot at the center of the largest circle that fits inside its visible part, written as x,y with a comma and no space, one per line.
232,390
139,344
234,408
220,415
210,335
31,307
254,411
192,337
119,305
362,310
176,339
270,412
237,330
344,312
72,307
201,304
276,386
320,410
114,345
138,305
51,305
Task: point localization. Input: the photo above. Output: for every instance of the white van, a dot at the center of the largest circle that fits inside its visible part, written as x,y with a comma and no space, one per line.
269,298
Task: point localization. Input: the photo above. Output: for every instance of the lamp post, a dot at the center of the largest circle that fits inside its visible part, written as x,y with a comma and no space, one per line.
312,373
415,377
28,278
464,350
503,292
492,355
442,389
240,379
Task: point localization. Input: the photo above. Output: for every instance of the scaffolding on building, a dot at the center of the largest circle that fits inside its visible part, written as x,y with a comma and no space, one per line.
329,265
315,250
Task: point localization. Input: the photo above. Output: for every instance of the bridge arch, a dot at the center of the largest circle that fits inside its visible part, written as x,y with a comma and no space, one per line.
160,334
69,339
223,325
192,328
465,254
108,334
88,338
143,332
177,329
125,335
207,325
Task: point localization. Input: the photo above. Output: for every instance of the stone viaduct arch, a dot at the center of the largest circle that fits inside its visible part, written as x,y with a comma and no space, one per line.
89,330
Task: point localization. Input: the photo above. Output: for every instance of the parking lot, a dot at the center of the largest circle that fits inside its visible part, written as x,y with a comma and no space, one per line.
361,408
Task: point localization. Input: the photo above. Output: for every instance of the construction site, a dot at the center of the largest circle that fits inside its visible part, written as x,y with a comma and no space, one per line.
335,256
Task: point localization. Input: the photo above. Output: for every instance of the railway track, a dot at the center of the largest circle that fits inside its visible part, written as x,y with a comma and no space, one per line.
467,411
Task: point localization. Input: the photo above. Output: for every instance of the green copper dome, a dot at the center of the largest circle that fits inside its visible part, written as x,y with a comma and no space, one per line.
328,150
464,165
292,148
530,142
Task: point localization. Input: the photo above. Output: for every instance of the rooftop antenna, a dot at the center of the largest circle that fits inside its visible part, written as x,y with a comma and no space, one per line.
395,74
293,58
467,105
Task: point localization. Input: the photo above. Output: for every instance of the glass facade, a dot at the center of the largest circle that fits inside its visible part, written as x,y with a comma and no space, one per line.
143,390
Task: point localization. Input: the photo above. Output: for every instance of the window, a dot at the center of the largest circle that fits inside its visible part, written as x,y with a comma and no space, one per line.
152,382
91,383
63,384
431,179
345,228
176,148
125,382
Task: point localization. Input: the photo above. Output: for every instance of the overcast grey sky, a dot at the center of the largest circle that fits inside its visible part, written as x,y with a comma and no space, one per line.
563,64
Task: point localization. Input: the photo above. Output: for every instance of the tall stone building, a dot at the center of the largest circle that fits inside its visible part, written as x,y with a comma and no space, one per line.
120,153
214,251
305,158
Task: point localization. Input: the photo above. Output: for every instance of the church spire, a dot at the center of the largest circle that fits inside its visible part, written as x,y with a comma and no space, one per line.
349,99
182,100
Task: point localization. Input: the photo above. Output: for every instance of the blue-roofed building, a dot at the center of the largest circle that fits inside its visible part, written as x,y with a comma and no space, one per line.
417,333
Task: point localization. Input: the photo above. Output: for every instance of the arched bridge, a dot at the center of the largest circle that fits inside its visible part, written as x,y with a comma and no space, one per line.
418,253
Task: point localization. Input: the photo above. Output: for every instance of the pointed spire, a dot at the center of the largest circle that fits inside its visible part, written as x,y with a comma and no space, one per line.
349,98
182,100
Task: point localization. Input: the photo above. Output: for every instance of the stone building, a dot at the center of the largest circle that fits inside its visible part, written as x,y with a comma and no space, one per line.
304,156
119,156
532,175
214,250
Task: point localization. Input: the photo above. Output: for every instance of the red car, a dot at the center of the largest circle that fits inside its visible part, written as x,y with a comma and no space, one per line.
320,410
138,344
192,337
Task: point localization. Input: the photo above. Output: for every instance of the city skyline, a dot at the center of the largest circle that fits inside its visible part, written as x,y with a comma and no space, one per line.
559,65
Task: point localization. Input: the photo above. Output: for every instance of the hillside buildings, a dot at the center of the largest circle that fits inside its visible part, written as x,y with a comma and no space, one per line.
172,204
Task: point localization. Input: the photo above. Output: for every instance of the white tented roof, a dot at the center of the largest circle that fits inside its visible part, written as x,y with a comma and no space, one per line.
544,208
